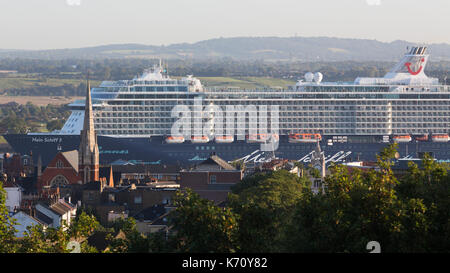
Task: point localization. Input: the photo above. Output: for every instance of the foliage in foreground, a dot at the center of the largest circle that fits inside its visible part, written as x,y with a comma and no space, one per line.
277,212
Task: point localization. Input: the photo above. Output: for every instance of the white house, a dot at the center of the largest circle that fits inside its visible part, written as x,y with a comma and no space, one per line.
13,196
56,214
23,221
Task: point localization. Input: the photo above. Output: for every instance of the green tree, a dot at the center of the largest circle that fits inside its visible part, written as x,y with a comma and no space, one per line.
200,226
358,207
83,226
431,185
50,240
134,242
55,125
265,204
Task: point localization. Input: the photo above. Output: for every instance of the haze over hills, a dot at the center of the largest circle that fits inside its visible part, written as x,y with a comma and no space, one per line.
246,48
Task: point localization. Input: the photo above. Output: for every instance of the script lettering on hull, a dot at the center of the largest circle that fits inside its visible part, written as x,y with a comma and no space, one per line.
260,157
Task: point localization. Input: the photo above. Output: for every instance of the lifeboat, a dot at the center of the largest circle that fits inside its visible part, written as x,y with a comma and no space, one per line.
199,139
261,138
404,138
304,138
440,138
224,139
174,139
422,138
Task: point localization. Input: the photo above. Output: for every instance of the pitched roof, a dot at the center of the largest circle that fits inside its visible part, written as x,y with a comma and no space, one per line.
43,218
214,159
72,158
150,213
31,217
61,208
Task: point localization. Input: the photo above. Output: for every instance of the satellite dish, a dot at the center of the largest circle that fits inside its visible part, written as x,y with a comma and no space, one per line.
318,77
397,155
309,77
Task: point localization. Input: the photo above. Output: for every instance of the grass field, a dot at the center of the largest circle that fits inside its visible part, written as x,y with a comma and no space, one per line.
22,81
38,100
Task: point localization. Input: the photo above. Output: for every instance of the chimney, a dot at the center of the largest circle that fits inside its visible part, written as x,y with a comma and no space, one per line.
39,166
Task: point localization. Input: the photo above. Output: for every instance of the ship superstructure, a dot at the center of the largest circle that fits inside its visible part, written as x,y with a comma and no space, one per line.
403,106
405,101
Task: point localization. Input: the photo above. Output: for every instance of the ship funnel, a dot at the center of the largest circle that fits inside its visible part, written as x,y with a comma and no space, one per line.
412,64
409,71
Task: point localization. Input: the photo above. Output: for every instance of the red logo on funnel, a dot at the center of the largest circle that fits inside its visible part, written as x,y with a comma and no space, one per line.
408,66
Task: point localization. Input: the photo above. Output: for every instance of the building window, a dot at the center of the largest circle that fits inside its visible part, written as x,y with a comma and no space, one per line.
91,196
212,179
317,183
59,181
59,164
138,199
87,175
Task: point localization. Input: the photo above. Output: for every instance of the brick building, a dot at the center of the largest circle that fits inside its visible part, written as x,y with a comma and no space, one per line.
127,199
17,165
61,171
124,174
211,179
75,167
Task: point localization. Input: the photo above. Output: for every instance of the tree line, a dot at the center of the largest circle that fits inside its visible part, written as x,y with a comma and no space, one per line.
278,212
123,69
19,119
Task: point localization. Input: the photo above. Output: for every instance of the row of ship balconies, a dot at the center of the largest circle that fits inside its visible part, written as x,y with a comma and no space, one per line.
340,131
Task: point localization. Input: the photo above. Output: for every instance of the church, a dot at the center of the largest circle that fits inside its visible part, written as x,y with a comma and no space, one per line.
74,167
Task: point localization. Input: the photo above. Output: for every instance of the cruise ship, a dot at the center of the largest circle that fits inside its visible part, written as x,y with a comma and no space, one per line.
156,119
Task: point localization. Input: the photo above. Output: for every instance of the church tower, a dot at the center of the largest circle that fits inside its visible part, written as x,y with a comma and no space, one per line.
88,154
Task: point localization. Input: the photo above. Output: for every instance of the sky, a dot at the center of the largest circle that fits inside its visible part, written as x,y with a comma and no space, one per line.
53,24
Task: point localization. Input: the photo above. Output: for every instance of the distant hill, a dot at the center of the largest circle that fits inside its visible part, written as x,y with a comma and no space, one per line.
246,48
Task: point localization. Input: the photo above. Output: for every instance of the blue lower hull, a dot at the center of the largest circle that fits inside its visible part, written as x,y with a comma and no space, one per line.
156,150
